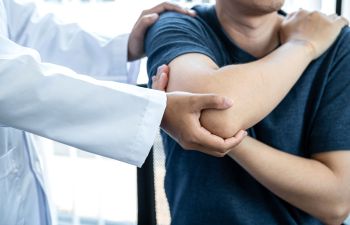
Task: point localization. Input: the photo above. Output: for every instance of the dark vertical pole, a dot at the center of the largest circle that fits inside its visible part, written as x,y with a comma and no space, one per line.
146,193
146,204
338,7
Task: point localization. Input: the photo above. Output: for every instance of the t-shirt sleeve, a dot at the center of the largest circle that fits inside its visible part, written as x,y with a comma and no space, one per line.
174,35
331,127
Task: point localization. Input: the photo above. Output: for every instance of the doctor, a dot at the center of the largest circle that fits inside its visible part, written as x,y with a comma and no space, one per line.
107,118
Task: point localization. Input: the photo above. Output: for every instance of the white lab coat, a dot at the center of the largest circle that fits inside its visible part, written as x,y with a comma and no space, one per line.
103,117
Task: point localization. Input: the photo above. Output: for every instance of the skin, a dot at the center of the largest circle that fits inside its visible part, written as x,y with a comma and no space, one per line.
183,110
319,185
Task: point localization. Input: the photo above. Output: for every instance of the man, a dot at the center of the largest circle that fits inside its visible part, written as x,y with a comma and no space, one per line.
103,117
301,174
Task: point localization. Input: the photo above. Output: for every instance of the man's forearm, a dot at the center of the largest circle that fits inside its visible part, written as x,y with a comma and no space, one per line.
305,183
256,88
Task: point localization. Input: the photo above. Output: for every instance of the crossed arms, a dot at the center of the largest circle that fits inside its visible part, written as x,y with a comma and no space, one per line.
255,88
290,177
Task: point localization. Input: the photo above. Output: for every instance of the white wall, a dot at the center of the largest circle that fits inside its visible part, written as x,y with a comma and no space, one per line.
346,8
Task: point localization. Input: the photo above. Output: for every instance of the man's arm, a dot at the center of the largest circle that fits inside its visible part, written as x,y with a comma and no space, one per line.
256,88
320,185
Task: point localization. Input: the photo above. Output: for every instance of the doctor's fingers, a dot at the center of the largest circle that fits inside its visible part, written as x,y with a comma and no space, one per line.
160,81
167,6
211,144
341,21
210,101
150,16
143,23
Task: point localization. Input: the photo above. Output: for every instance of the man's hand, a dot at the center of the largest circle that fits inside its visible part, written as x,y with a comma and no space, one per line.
146,19
314,29
182,114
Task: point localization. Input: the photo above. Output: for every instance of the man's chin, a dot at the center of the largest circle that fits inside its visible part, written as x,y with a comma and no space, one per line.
260,8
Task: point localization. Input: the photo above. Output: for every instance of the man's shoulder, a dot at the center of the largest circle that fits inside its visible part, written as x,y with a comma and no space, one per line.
345,33
343,42
176,19
179,20
339,51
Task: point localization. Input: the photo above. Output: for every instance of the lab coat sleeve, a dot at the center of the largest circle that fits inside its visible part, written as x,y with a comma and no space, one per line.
68,44
111,119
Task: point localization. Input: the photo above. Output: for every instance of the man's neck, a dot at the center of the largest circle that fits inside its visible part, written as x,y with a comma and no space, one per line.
258,35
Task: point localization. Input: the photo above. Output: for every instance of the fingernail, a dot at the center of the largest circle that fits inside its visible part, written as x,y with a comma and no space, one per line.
191,11
160,68
245,133
154,16
228,102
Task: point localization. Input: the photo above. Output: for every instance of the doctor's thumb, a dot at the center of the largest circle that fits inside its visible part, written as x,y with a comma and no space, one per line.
212,101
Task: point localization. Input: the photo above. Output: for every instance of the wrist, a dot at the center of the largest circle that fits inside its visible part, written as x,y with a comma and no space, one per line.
307,47
163,121
132,51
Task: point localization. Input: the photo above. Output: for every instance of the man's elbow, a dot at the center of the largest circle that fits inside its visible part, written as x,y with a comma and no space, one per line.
221,123
336,215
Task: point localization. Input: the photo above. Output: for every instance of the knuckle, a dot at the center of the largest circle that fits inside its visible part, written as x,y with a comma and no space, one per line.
219,100
146,19
214,98
315,14
215,154
220,154
223,151
195,138
192,140
301,12
185,142
345,20
185,146
168,4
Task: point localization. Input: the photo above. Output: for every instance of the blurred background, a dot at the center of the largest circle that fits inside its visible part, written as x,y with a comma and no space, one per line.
91,190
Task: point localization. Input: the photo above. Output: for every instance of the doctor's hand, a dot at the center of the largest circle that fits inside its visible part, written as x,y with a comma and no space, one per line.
182,114
147,19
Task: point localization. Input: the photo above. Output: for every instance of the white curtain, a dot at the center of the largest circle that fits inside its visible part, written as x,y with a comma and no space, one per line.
293,5
346,8
326,6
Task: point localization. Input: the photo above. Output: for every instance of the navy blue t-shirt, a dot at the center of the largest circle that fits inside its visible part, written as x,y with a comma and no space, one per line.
314,117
